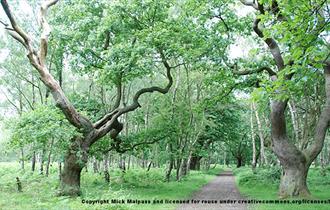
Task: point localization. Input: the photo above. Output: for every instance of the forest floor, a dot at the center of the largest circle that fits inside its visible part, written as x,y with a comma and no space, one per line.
264,184
223,187
137,183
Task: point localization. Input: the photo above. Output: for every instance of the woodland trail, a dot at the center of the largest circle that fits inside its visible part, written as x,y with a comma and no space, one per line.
223,187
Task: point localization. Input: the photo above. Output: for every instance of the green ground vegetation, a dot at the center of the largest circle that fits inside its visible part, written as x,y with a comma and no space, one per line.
264,183
39,191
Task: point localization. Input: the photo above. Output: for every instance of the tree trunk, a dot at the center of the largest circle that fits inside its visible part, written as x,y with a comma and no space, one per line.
239,162
178,166
293,181
106,168
95,166
208,163
33,161
70,177
42,160
73,165
149,166
129,162
294,122
184,167
263,159
295,163
86,166
254,151
169,171
188,163
195,162
22,158
49,157
59,169
122,163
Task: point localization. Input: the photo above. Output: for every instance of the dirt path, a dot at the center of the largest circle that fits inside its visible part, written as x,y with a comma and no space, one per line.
223,187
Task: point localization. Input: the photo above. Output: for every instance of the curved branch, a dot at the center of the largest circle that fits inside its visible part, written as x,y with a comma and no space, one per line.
322,126
223,21
6,8
139,93
261,69
119,92
104,129
105,119
272,44
17,37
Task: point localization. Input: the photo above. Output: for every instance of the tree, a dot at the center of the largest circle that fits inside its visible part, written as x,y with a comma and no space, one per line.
304,53
76,156
139,44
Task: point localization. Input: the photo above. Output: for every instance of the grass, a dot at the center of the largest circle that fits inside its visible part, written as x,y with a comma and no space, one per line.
264,186
39,191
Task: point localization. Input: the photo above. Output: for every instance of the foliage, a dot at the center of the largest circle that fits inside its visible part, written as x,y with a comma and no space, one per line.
38,127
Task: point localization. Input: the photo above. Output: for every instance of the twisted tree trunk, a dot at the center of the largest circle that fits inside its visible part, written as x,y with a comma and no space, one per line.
295,163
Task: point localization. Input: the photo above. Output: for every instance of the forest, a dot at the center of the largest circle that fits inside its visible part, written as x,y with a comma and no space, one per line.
162,101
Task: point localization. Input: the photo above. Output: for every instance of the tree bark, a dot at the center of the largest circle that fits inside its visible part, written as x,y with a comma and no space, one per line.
33,161
254,151
294,122
239,161
59,169
294,180
169,171
49,157
263,159
183,167
106,168
22,158
42,157
149,166
129,162
95,165
296,163
293,161
178,166
122,163
70,176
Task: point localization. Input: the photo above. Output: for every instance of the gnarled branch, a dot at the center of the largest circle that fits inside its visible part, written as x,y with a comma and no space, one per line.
271,43
38,61
261,69
104,129
12,20
45,30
